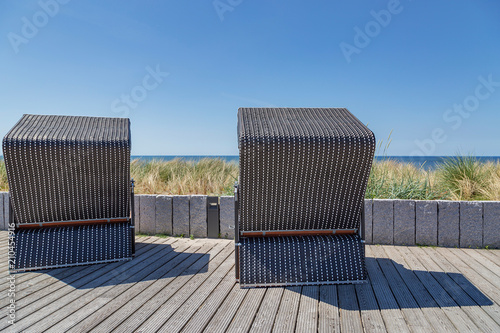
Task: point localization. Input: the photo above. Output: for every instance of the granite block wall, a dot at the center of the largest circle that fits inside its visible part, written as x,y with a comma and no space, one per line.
397,222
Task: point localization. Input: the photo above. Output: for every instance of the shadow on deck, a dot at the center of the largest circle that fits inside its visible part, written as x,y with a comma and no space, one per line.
386,284
132,271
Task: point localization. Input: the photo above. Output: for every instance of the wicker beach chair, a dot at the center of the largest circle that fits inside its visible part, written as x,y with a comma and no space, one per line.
300,197
70,191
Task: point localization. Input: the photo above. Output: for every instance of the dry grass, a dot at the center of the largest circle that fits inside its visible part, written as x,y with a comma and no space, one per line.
491,188
459,178
455,178
4,186
393,180
208,176
463,176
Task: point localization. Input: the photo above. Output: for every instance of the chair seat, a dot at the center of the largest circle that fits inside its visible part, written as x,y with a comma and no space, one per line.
69,246
301,260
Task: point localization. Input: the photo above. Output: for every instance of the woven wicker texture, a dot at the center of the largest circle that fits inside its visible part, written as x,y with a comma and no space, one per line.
68,246
271,261
302,168
64,168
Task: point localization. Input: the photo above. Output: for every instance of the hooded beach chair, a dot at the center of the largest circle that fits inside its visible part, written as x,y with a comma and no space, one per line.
300,197
71,196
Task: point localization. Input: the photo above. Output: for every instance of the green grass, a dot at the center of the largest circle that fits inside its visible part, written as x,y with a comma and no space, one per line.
464,177
455,178
430,246
393,180
3,177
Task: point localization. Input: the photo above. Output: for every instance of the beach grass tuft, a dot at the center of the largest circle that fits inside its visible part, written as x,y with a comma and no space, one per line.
4,185
464,176
491,189
210,176
394,180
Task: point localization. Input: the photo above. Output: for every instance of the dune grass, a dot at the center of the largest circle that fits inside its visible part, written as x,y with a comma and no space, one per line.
211,176
393,180
464,177
456,178
4,186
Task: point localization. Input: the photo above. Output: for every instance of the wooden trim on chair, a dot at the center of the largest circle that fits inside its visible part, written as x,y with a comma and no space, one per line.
71,223
280,233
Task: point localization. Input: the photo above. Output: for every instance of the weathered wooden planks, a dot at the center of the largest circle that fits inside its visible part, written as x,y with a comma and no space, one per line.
177,284
393,317
268,309
350,318
434,314
328,316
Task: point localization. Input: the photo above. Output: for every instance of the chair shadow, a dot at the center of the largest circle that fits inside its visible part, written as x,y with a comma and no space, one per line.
414,289
161,261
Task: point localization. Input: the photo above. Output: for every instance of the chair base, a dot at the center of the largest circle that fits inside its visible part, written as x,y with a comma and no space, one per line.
56,247
301,260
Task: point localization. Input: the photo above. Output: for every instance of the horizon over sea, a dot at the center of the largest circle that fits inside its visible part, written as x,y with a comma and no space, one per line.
426,162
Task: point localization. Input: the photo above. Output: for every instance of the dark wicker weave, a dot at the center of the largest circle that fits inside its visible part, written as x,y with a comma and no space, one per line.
69,180
72,245
301,260
303,169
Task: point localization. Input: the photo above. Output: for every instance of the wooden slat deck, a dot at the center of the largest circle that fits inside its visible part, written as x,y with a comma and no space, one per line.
177,284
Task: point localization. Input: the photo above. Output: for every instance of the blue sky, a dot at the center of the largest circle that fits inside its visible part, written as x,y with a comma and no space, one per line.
427,70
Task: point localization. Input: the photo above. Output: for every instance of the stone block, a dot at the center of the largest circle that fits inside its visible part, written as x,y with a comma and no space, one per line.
491,231
368,221
471,224
448,223
137,215
226,217
148,214
383,221
404,222
198,216
180,215
6,211
164,214
426,228
3,224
